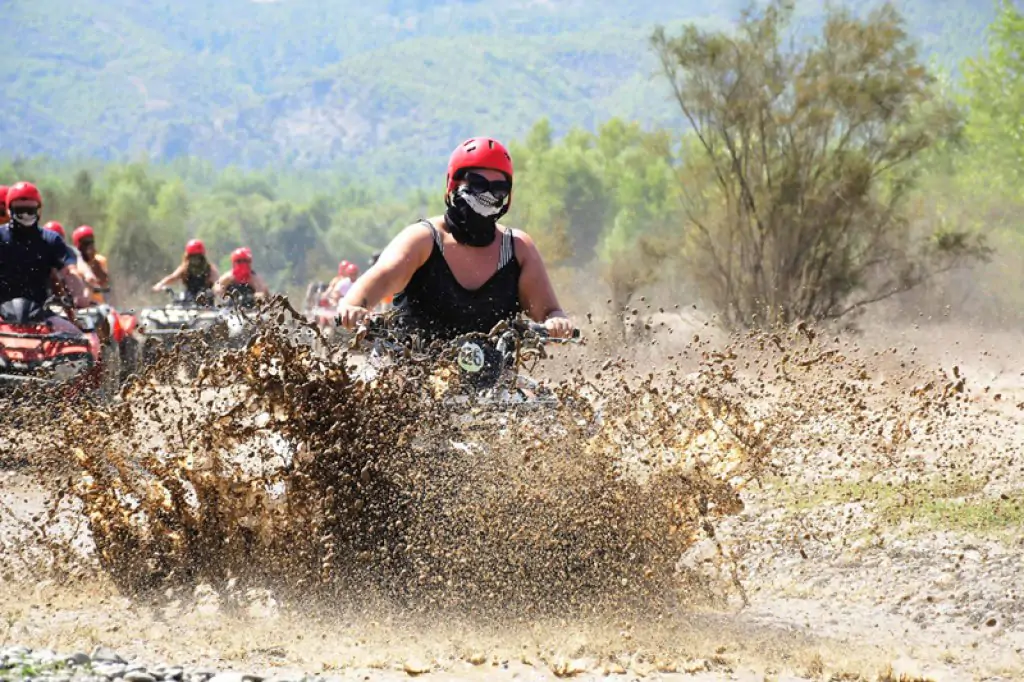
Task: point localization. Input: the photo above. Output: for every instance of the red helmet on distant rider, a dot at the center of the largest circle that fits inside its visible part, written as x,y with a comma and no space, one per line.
54,226
343,268
82,233
24,191
352,272
195,247
479,152
241,265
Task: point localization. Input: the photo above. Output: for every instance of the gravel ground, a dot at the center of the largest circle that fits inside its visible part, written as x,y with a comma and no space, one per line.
854,568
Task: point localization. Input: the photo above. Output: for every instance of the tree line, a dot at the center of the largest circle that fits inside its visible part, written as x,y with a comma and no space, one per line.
806,180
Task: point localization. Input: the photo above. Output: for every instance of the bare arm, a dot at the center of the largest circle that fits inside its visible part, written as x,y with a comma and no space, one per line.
100,269
535,290
175,276
391,273
221,284
259,286
74,285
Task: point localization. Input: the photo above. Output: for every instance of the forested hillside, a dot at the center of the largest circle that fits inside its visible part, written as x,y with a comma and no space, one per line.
375,87
764,179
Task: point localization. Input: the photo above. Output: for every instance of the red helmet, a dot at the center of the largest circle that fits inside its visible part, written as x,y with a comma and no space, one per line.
82,232
24,190
478,152
243,253
195,248
343,268
54,226
353,271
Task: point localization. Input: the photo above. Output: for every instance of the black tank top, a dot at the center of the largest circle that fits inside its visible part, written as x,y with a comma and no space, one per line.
435,305
242,294
196,283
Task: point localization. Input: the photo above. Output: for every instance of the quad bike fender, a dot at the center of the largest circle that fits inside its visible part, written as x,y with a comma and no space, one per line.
121,326
95,345
128,324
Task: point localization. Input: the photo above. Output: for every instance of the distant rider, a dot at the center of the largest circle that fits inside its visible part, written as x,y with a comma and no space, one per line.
32,261
72,256
4,217
195,272
347,275
91,267
463,272
242,284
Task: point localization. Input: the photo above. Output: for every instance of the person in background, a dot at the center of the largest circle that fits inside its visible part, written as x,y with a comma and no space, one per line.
339,286
72,257
91,267
32,261
195,272
242,284
3,205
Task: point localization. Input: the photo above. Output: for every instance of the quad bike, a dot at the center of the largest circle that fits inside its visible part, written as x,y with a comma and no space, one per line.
240,318
114,329
476,387
478,370
159,327
319,311
31,351
316,308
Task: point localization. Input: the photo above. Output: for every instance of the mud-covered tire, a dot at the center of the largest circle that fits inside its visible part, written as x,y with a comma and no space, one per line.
110,371
131,357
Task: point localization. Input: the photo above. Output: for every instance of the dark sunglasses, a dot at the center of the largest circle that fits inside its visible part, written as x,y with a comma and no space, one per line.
478,184
242,260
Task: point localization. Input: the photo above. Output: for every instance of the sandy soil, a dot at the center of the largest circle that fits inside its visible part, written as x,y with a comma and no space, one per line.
852,567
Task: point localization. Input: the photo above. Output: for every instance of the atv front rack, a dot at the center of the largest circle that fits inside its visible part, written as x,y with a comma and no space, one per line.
54,337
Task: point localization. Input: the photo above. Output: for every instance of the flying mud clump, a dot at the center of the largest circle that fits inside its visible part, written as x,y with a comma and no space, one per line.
271,466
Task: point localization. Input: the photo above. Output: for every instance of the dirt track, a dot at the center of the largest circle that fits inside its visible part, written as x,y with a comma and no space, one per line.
854,558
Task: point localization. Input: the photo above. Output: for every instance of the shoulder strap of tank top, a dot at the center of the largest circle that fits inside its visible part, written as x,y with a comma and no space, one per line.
438,239
507,253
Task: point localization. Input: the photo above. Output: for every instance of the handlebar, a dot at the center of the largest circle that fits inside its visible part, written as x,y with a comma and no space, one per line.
542,331
376,324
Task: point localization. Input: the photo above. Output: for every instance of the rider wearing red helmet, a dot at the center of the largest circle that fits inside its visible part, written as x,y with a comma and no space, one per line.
242,284
72,254
339,286
195,271
92,266
463,272
33,261
54,226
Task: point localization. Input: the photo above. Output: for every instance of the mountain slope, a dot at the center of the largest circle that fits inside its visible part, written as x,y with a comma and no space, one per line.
380,87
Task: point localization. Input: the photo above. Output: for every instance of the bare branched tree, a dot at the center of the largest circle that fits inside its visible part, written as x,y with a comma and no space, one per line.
809,150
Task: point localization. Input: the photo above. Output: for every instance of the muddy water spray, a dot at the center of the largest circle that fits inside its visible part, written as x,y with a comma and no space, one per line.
271,466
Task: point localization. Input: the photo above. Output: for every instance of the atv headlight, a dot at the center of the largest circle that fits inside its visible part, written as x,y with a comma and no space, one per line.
471,357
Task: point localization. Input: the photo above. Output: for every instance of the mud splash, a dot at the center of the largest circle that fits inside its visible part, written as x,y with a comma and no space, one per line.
271,467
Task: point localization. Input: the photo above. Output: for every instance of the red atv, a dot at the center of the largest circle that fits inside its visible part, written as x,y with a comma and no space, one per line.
116,333
31,351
